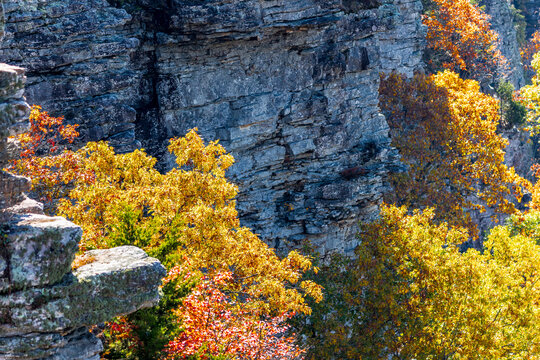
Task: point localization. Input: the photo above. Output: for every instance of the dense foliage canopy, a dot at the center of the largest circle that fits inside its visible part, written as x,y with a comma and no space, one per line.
412,294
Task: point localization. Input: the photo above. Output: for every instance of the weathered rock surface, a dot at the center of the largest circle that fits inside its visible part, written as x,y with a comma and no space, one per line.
119,281
290,88
13,112
75,54
39,250
520,152
12,188
45,308
41,322
295,112
35,323
13,107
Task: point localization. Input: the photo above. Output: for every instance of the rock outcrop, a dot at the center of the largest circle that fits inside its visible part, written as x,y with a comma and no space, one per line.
13,110
289,87
45,307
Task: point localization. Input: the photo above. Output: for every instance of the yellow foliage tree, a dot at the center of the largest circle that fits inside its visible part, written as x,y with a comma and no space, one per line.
421,298
187,213
186,218
530,97
445,129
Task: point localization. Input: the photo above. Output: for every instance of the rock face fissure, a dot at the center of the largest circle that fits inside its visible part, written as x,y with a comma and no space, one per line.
45,307
289,87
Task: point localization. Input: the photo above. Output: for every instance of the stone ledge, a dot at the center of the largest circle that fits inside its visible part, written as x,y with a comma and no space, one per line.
120,281
39,251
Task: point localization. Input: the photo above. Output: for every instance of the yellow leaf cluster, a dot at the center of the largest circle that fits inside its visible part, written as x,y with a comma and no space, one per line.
187,213
530,97
424,299
445,129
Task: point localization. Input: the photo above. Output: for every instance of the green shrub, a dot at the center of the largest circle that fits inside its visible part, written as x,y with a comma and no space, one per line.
513,113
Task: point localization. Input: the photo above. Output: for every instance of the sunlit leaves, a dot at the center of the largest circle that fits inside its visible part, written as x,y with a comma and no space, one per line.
445,130
46,159
214,324
530,97
424,299
459,32
197,199
532,46
187,218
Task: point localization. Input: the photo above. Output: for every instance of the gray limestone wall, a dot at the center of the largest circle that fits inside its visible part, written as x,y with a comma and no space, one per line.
289,87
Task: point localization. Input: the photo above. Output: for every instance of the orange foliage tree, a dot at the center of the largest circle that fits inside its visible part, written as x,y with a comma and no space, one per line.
446,132
460,36
216,325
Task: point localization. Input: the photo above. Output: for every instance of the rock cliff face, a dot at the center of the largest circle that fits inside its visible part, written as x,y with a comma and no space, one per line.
76,54
289,87
45,308
502,21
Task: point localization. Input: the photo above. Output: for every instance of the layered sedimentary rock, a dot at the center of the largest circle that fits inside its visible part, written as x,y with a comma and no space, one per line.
289,87
76,54
45,307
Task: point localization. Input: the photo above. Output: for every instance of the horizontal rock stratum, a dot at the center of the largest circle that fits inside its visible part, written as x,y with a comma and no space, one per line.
290,88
